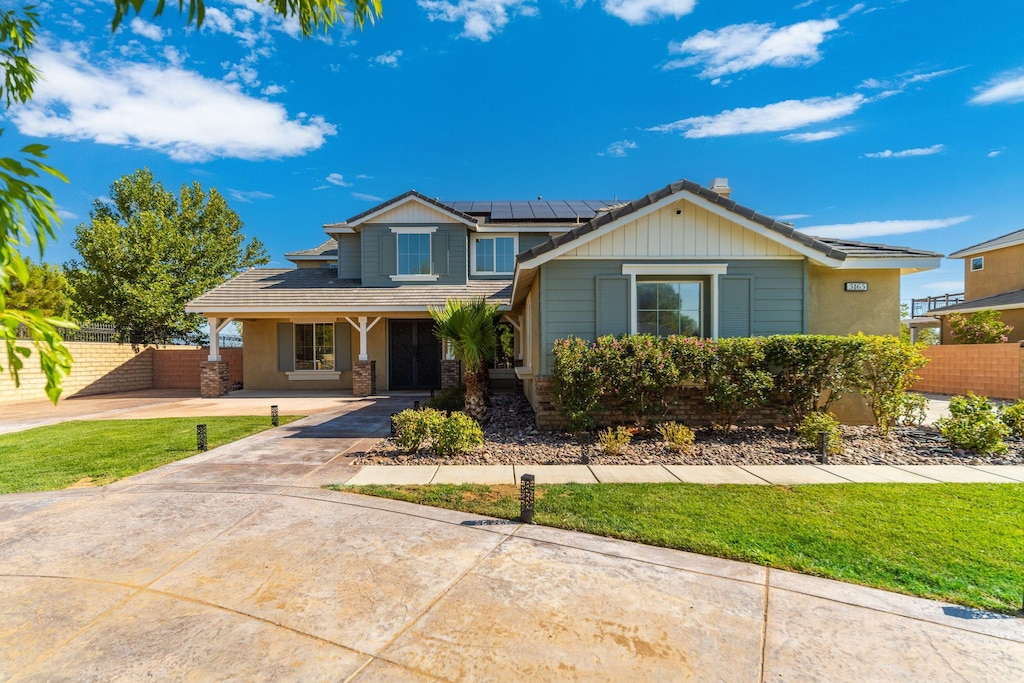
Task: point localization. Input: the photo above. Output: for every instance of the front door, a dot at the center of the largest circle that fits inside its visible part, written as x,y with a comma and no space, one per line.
415,352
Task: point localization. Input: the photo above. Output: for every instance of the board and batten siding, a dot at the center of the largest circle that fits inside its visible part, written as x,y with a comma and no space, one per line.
448,247
694,232
570,289
413,212
350,262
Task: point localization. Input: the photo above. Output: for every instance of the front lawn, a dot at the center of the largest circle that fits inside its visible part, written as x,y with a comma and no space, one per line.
963,543
102,451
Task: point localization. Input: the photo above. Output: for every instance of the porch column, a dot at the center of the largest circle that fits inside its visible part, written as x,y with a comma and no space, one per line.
214,340
364,370
213,373
451,369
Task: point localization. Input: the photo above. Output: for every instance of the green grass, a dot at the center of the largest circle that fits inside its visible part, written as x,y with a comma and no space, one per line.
57,456
963,543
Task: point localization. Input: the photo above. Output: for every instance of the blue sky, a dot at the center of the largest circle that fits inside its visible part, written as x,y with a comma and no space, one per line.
887,121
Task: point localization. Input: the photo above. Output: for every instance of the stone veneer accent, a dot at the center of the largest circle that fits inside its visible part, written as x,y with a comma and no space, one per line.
364,378
451,374
214,379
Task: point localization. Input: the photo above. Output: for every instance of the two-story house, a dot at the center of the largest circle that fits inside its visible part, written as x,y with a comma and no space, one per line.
686,259
993,280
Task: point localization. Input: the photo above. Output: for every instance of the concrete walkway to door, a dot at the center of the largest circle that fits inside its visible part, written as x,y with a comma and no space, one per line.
236,564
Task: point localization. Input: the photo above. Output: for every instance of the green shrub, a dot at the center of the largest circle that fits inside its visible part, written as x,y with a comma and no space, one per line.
817,423
577,381
677,437
447,400
981,327
413,428
812,371
913,409
735,378
446,433
1013,418
614,441
887,372
456,433
637,375
973,425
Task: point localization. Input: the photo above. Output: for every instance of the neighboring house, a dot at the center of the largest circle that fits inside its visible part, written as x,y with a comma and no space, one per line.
993,280
685,259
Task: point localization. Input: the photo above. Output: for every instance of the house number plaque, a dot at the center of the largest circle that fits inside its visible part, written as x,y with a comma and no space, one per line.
856,286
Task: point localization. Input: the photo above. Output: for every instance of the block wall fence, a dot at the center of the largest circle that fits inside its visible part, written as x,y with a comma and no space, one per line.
992,370
108,368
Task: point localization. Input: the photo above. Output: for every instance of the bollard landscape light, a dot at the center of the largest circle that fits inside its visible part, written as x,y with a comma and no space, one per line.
526,483
201,437
415,405
584,458
394,426
274,417
824,441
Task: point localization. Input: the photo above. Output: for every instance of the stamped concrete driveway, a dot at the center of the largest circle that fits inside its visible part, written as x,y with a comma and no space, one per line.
235,565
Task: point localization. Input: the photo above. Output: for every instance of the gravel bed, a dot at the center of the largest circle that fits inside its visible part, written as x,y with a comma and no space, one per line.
512,439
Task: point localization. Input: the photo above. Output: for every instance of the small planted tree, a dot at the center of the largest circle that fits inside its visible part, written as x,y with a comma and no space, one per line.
469,327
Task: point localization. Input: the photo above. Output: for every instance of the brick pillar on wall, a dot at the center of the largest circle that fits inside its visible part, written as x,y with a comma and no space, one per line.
548,415
451,374
213,379
364,378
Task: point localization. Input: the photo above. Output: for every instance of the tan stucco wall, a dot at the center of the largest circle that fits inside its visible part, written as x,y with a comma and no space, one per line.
260,368
1003,272
1014,318
832,310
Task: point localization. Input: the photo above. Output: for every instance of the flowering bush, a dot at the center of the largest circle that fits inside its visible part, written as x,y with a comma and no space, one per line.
637,374
813,370
973,424
982,327
735,378
577,382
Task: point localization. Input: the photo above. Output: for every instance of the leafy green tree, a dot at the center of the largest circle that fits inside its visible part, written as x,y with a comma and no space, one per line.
469,327
47,291
27,211
927,336
146,254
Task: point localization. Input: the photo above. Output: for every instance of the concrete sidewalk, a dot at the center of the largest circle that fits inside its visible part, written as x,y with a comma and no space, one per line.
696,474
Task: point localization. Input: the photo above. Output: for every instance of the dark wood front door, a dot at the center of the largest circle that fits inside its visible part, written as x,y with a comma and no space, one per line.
415,355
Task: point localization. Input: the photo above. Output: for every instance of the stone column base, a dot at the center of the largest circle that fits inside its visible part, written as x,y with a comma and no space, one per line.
364,378
451,374
213,379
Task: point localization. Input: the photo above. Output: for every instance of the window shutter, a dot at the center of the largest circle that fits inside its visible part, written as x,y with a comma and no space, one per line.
734,306
342,347
388,254
612,300
285,347
439,253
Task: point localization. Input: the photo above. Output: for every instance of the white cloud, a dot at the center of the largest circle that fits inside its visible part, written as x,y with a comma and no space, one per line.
143,28
66,215
388,58
273,89
771,118
168,109
618,149
363,176
480,19
1006,87
637,12
248,197
742,47
792,216
994,153
818,135
876,228
366,197
337,179
898,84
902,154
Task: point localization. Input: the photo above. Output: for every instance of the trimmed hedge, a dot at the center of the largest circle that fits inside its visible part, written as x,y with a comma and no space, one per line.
643,375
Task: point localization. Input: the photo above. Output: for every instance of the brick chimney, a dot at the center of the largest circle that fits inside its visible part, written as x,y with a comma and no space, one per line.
721,186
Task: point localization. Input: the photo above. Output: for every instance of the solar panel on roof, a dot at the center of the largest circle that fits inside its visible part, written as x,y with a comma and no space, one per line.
562,209
542,210
581,208
521,211
464,207
501,210
482,207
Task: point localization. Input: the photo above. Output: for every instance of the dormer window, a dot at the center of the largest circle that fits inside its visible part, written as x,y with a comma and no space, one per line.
977,263
494,255
415,260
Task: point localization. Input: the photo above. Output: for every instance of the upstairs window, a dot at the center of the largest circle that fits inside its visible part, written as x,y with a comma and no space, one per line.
414,253
494,255
314,346
977,263
667,308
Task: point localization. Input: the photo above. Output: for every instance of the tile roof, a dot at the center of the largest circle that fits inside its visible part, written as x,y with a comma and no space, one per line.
854,249
328,249
1004,300
320,290
1008,240
406,195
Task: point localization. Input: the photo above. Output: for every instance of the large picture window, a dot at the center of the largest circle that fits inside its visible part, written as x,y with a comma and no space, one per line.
494,255
667,308
414,253
314,346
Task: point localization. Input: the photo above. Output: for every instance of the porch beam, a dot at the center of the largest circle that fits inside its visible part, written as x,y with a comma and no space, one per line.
363,325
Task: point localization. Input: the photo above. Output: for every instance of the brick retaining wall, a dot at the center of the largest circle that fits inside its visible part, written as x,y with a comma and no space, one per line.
992,370
178,367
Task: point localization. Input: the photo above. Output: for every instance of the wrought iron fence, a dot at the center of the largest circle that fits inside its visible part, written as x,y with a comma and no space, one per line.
107,333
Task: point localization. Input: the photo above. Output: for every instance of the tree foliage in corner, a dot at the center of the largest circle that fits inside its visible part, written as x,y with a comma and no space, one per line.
27,210
147,253
47,290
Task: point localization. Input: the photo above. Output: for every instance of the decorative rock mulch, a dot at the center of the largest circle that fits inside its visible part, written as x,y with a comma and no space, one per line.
512,439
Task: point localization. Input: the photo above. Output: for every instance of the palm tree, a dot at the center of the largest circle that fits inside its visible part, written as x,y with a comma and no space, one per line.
469,327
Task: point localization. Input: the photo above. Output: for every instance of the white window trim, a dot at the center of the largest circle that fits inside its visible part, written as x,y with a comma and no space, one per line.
711,270
314,374
491,236
973,258
418,277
